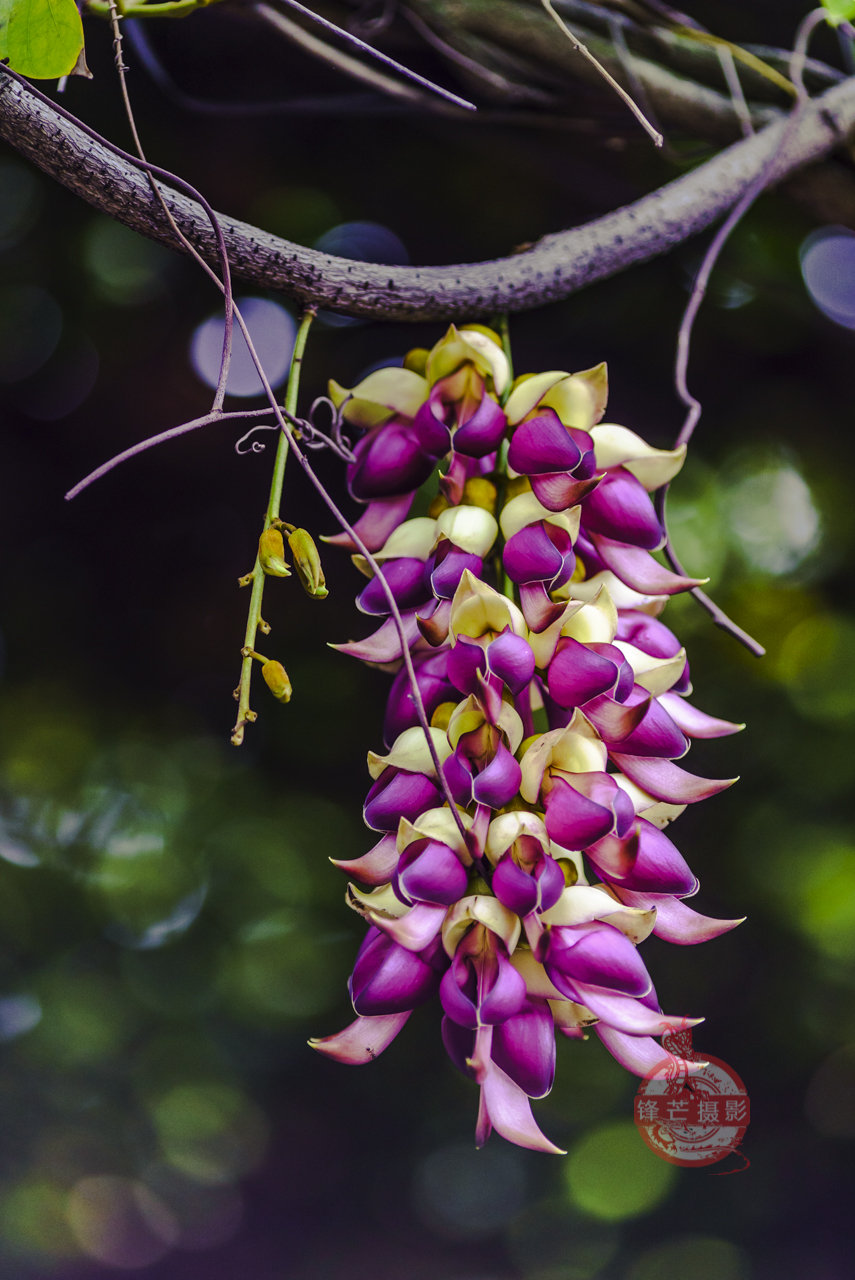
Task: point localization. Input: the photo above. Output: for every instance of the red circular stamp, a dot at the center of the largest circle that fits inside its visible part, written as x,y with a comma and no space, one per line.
691,1110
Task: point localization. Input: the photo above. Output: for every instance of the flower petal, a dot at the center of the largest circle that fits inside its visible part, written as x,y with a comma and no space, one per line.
509,1112
363,1040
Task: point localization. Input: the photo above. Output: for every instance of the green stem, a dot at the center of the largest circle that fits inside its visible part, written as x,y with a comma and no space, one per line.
500,324
244,715
505,334
139,9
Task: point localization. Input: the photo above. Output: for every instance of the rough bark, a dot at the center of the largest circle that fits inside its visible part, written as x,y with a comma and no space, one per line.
553,268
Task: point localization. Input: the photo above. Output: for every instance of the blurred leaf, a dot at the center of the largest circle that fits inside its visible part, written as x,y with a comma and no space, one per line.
839,11
43,38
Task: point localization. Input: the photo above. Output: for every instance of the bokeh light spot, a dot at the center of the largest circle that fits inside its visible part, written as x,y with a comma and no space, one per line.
364,242
209,1131
127,269
18,1015
612,1175
773,520
466,1194
824,909
32,1219
120,1222
701,1257
272,330
828,269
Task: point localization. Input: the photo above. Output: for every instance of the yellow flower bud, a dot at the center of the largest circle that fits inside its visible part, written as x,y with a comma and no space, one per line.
307,562
480,492
271,553
276,679
438,504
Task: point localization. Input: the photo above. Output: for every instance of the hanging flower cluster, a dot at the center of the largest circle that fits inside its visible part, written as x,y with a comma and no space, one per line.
521,856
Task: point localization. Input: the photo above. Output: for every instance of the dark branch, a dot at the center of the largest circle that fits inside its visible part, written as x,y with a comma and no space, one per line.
553,268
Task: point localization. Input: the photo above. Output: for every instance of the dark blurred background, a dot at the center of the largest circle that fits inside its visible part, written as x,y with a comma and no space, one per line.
172,931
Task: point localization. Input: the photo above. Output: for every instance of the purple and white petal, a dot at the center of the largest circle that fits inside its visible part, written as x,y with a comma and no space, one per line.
667,781
524,1048
363,1040
509,1111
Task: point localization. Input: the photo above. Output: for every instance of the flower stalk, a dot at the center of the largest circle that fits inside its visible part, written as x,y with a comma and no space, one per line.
257,574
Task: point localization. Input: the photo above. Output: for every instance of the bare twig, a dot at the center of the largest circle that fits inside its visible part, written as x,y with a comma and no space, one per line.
340,60
607,76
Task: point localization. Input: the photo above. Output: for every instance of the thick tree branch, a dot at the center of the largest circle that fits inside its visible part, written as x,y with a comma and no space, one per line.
553,268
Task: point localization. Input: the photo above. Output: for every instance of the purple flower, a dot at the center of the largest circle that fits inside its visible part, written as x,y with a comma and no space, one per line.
492,828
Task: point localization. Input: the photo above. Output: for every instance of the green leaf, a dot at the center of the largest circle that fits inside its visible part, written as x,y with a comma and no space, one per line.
5,7
41,38
839,11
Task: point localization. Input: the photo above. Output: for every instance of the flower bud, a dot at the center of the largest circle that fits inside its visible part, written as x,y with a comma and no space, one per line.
271,553
276,679
307,562
480,492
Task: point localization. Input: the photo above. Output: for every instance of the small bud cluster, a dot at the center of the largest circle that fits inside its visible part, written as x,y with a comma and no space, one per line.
518,884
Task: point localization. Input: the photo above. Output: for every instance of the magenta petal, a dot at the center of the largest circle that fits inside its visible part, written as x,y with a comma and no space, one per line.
542,445
480,434
389,462
505,992
376,523
538,610
397,794
417,928
667,781
596,954
375,867
515,888
614,721
388,978
404,577
509,1111
511,659
459,1044
385,644
621,509
433,623
625,1014
559,492
642,1055
675,922
431,430
434,686
577,674
450,563
362,1041
459,779
458,992
645,861
638,569
656,734
464,660
430,871
531,556
500,781
572,819
695,723
524,1048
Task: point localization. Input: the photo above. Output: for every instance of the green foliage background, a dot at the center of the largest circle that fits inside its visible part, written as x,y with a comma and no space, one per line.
170,928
